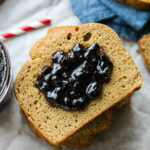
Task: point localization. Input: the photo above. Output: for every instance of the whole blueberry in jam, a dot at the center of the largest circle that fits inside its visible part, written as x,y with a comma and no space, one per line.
76,77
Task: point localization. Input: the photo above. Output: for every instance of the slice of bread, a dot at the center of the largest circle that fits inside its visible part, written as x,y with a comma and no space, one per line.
144,49
93,127
79,142
138,4
97,125
101,122
56,124
82,139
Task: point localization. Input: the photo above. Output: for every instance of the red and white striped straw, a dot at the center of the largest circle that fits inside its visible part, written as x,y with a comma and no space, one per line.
24,29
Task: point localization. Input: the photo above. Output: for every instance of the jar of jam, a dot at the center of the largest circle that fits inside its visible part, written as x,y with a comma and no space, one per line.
5,76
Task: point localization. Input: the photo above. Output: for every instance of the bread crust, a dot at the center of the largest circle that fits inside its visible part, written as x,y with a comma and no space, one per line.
51,34
145,50
44,62
138,4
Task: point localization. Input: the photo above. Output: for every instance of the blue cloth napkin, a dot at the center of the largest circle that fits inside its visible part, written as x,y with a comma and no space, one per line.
125,20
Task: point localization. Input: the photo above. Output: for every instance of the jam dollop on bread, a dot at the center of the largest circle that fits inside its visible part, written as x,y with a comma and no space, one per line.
2,66
75,77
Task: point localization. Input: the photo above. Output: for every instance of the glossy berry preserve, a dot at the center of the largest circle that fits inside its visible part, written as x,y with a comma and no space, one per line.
2,66
76,77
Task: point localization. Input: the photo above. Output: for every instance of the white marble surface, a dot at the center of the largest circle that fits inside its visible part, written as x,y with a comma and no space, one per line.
130,128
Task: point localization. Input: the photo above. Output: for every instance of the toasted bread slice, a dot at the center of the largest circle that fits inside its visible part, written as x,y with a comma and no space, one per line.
65,123
144,49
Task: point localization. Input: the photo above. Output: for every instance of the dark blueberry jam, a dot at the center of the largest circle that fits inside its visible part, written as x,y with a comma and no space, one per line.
2,66
76,77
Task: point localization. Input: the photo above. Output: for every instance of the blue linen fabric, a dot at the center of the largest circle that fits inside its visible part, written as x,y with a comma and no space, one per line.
125,20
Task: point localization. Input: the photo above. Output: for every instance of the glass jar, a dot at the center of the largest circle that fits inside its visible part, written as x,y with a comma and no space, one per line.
6,80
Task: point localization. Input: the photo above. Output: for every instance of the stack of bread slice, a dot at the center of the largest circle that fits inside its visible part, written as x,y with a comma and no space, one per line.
75,128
